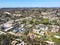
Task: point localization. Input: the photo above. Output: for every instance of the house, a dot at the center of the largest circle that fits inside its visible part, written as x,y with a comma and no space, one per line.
21,43
14,42
6,29
17,13
21,30
46,17
15,30
37,31
29,25
54,28
58,37
2,33
44,13
31,35
22,25
42,32
7,13
42,27
7,26
49,43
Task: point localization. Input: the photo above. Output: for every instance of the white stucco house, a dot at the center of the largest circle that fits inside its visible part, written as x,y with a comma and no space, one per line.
7,26
56,36
42,27
54,28
37,31
49,43
2,33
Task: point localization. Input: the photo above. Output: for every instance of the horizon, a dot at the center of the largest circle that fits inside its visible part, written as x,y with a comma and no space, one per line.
30,7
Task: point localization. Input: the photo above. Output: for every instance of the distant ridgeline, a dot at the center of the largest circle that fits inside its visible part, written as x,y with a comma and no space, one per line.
31,11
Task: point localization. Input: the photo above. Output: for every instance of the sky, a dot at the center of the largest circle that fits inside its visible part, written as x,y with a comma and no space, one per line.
29,3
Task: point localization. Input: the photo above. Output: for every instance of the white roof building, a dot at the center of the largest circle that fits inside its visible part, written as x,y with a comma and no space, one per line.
42,27
7,13
54,28
57,36
2,32
7,26
49,43
38,31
